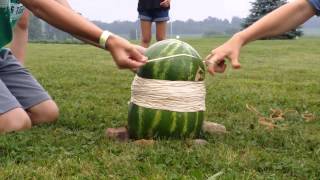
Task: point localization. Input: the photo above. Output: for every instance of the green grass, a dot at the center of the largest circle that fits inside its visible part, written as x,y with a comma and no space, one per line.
92,95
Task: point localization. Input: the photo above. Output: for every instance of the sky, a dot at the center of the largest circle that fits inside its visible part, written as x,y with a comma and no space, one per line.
112,10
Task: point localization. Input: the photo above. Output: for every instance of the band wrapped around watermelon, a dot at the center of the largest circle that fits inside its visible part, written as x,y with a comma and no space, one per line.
178,61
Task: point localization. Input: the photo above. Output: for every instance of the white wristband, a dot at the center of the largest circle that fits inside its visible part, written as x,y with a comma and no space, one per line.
103,39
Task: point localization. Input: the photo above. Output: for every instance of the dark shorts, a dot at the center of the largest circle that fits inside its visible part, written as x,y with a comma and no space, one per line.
18,88
316,6
155,15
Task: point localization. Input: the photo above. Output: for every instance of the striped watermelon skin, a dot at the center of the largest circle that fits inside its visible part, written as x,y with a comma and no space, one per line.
182,68
150,123
146,123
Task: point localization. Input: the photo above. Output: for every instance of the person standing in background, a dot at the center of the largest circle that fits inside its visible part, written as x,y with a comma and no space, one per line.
153,11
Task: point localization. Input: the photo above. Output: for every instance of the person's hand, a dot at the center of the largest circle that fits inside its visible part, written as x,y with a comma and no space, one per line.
230,50
125,54
165,3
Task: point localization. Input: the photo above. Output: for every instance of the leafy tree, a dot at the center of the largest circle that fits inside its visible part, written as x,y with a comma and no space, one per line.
262,7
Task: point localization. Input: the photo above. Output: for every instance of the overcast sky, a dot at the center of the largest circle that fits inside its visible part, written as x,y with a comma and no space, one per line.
111,10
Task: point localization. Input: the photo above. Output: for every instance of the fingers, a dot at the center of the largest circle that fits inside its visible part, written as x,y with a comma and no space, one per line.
132,64
126,62
165,3
216,61
215,64
137,55
141,49
125,54
130,59
235,63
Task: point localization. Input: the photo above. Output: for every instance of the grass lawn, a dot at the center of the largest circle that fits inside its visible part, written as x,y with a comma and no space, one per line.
92,95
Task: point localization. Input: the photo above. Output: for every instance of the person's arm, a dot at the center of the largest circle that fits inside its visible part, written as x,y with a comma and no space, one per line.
165,3
65,3
20,39
124,53
277,22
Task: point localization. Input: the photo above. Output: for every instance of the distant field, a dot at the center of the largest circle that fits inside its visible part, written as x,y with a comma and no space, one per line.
92,95
311,31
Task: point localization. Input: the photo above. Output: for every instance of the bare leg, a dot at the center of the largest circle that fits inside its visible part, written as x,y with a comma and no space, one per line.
146,33
161,30
45,112
14,120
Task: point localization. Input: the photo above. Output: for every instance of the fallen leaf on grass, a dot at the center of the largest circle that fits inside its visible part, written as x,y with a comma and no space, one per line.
265,122
309,117
216,176
197,142
277,114
144,142
280,118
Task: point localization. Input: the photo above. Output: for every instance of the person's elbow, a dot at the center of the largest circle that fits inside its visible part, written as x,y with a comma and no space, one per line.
33,5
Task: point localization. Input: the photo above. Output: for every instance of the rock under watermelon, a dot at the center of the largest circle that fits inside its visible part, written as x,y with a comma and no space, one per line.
151,123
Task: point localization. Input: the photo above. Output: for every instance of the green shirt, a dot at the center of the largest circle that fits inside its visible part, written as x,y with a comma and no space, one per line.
10,13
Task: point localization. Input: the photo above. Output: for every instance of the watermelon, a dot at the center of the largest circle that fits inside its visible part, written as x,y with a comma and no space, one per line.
184,64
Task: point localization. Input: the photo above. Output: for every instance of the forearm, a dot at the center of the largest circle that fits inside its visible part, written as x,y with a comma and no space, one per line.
64,19
65,3
281,20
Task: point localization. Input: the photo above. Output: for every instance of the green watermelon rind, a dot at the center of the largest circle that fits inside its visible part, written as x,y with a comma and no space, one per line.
188,66
170,47
182,68
146,123
183,64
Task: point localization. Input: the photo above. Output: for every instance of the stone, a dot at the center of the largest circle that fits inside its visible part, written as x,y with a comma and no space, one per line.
213,128
118,134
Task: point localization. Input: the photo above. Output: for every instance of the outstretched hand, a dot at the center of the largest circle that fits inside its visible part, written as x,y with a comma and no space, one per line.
165,3
125,54
230,50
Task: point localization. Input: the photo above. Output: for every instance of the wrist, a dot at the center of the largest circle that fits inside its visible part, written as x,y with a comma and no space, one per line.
103,40
240,38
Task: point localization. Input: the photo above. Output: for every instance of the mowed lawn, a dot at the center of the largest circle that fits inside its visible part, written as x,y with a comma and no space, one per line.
93,94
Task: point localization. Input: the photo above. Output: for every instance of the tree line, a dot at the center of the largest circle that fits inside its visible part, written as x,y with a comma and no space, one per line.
211,26
41,31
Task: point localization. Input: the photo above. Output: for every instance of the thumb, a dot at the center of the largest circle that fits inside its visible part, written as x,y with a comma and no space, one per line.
235,62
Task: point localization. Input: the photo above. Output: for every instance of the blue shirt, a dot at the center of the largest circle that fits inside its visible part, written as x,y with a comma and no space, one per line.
316,6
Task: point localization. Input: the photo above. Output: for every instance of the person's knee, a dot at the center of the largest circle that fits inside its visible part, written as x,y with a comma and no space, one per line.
21,124
51,114
46,112
14,120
